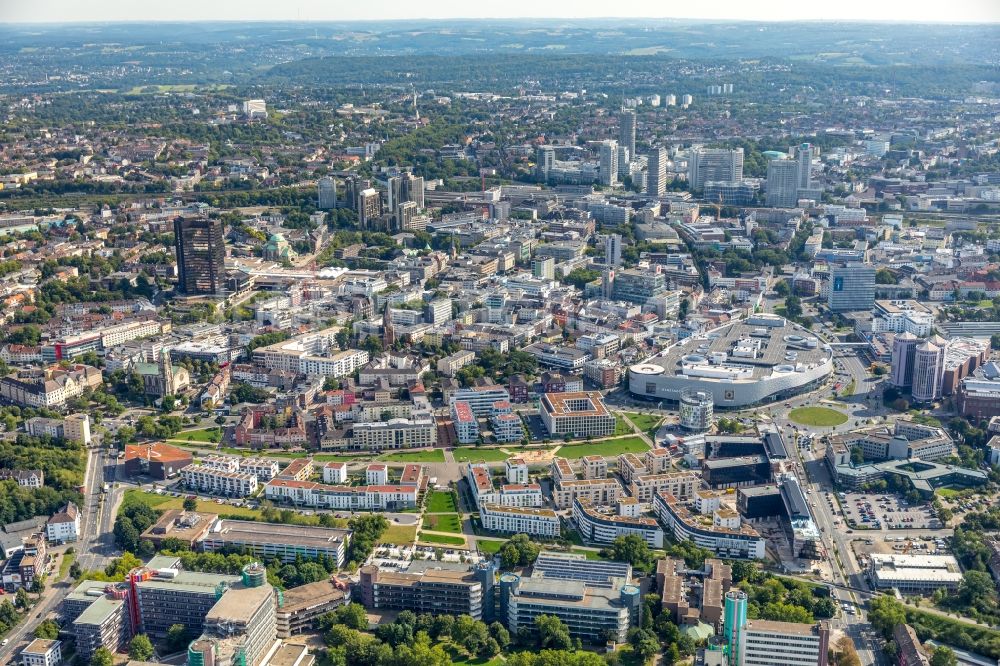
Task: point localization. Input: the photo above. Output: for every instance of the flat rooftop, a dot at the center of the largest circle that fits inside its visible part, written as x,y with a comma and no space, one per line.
294,535
786,628
577,403
238,604
311,594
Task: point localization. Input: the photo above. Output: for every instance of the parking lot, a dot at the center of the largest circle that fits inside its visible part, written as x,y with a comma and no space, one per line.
886,511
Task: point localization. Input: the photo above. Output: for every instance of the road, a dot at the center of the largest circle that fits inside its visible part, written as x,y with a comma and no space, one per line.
94,548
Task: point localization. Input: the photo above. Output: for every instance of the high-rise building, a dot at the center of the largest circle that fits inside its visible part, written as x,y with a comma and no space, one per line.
904,347
782,183
545,159
624,161
613,250
609,163
254,108
369,207
852,287
708,164
928,370
656,178
804,156
326,194
201,255
626,130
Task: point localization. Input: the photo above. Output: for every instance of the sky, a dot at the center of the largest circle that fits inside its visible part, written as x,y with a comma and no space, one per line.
58,11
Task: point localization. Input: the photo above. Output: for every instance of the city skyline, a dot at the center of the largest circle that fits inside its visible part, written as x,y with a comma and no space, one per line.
56,11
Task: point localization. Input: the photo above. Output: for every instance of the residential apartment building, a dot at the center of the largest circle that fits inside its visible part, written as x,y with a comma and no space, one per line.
352,498
481,398
219,482
516,519
466,423
600,526
729,538
599,492
681,485
64,525
418,431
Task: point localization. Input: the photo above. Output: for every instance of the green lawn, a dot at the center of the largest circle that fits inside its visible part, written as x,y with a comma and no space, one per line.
476,454
949,492
490,547
164,502
443,522
200,435
644,422
589,554
441,502
440,538
609,447
817,416
65,564
622,426
431,456
399,535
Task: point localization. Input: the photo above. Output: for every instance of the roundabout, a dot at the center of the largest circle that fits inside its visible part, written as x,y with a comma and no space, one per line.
822,417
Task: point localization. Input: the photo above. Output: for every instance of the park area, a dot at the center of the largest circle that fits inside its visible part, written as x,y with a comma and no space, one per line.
607,448
822,417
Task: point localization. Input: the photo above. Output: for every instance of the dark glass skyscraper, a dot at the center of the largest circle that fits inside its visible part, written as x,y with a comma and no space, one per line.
201,255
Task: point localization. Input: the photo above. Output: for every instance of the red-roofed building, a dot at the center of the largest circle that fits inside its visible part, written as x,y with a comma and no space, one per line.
157,460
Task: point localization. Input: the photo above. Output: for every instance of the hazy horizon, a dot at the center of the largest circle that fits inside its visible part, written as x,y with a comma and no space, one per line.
195,11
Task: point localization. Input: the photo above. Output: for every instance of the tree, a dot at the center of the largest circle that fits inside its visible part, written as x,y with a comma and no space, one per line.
885,613
643,643
943,656
48,630
177,637
140,649
995,341
846,654
744,570
519,551
793,306
21,599
632,549
552,633
857,455
975,587
190,504
353,616
782,289
102,657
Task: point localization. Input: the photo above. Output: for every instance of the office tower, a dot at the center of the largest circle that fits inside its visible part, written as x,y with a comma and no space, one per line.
543,267
412,189
609,163
670,100
326,194
613,250
734,619
904,348
626,130
852,287
369,206
624,161
545,159
405,214
804,156
782,183
928,370
708,164
656,174
201,255
687,100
